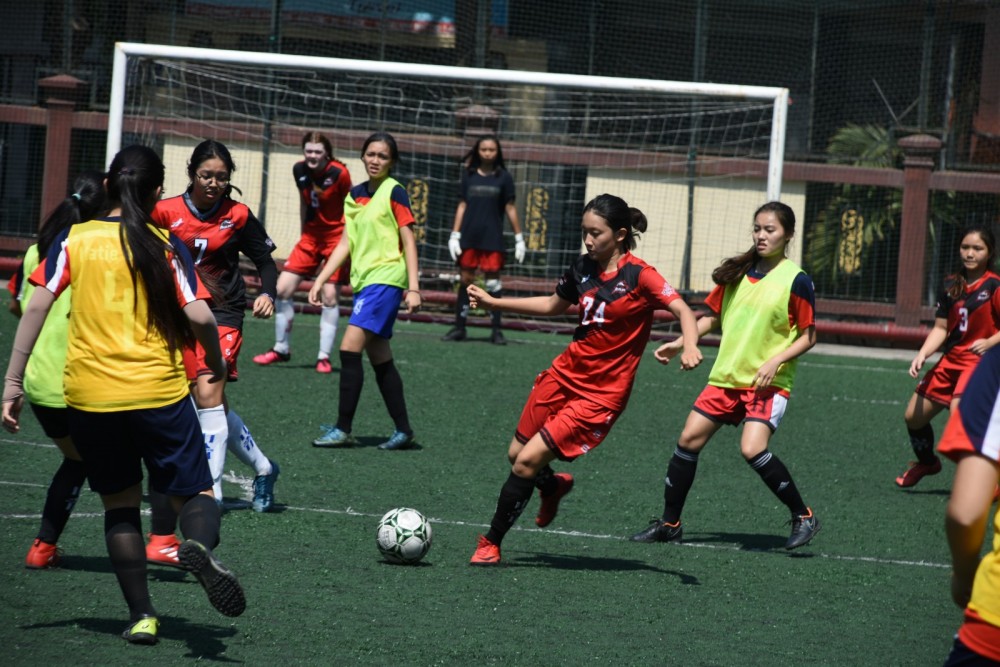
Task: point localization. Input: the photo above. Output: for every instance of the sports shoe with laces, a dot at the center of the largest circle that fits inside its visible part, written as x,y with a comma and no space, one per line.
142,631
334,437
497,337
550,503
660,531
804,528
41,555
162,550
324,366
486,553
221,585
454,335
263,489
917,471
398,440
270,357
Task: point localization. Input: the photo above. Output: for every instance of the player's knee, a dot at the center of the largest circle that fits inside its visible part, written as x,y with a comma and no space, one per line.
493,285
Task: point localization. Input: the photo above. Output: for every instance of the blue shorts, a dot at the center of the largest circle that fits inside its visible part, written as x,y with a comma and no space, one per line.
376,308
54,421
115,444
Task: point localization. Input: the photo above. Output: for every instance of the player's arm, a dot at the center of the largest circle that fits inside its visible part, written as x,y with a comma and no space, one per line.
337,257
24,341
532,305
411,295
935,339
258,246
966,519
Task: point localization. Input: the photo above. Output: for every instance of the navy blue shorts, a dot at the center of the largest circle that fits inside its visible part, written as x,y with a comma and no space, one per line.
376,308
54,421
115,444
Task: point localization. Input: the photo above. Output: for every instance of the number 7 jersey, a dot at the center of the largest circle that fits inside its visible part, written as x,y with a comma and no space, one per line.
615,321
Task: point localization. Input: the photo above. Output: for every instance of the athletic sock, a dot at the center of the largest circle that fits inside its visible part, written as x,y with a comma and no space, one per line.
495,315
123,536
545,481
514,497
64,490
284,313
678,481
201,520
242,444
391,385
352,379
922,441
163,518
461,307
216,432
328,319
779,480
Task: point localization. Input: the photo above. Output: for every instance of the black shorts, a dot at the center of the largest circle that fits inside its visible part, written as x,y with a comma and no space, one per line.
54,421
168,439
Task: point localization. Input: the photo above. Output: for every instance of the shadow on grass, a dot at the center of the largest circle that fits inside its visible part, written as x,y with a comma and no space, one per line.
204,642
751,542
591,563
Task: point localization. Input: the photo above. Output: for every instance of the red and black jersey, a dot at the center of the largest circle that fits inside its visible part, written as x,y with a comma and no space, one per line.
972,316
615,320
323,198
216,238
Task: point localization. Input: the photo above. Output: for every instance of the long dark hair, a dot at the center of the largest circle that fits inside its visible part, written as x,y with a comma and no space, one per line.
386,139
135,177
205,151
619,215
733,269
84,203
472,161
961,278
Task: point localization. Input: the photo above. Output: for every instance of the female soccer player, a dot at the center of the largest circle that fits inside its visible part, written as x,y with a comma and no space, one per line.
323,183
43,377
477,238
574,403
216,229
969,440
967,323
764,305
383,252
136,303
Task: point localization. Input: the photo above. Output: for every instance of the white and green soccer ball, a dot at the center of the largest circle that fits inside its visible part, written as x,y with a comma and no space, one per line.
403,536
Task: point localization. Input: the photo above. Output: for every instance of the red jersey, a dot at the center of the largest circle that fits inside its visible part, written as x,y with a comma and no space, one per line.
216,238
615,320
974,315
323,199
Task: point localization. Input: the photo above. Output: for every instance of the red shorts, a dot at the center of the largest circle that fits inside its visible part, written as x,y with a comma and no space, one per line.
230,340
570,424
733,406
309,255
489,261
954,441
945,382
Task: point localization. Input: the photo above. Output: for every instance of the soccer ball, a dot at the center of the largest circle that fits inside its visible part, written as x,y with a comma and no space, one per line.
403,536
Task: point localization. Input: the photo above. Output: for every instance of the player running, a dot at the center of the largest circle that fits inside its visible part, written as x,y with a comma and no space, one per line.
574,404
323,183
966,324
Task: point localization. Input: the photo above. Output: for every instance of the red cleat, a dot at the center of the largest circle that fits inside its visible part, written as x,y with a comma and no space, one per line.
271,357
550,503
916,472
41,555
162,550
487,553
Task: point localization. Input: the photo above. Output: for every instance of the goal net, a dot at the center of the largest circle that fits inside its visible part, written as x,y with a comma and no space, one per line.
697,159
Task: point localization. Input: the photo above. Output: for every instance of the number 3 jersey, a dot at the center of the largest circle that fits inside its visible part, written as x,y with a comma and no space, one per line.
216,238
972,316
615,320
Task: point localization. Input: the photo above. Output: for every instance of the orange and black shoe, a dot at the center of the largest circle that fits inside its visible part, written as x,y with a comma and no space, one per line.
916,472
550,503
487,553
42,555
660,531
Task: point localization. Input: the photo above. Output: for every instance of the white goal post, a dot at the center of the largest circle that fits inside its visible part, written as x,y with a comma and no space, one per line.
697,158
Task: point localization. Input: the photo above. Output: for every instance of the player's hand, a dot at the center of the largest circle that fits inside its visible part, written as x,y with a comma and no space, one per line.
690,358
961,591
455,245
263,307
12,414
979,346
916,365
413,300
519,248
219,370
765,374
479,298
668,351
314,294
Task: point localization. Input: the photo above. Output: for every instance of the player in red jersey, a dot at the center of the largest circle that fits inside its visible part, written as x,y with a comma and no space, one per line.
574,403
217,229
967,323
323,184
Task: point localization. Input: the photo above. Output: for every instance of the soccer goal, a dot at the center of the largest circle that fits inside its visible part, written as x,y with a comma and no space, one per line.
696,158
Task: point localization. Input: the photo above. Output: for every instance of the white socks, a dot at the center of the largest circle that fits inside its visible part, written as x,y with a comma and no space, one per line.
328,329
216,431
284,312
242,444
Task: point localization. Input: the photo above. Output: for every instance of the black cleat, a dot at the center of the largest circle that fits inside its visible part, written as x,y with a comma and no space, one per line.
804,528
221,585
497,338
454,335
660,531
